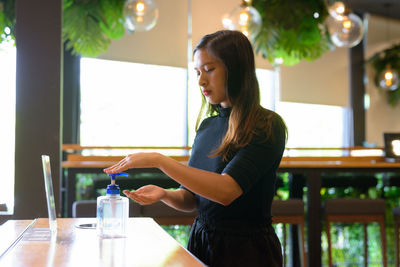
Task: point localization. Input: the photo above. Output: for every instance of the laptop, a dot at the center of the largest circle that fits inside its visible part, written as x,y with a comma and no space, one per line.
51,206
392,147
39,234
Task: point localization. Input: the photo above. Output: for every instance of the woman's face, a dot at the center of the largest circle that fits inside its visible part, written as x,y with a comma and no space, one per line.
211,76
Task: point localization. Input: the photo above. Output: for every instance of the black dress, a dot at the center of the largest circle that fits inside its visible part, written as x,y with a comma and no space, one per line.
239,234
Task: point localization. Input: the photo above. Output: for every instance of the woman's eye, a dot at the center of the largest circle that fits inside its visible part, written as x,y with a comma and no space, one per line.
209,70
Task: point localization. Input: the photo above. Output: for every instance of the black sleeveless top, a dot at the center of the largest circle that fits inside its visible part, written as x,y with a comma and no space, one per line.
253,167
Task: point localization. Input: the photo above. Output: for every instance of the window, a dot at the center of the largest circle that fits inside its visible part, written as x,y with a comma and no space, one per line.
145,105
311,125
130,104
7,122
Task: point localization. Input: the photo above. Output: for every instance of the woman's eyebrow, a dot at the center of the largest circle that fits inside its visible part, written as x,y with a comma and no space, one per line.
204,64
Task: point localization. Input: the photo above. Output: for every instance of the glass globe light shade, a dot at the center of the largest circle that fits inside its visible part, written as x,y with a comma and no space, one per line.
346,30
389,79
140,15
245,19
337,9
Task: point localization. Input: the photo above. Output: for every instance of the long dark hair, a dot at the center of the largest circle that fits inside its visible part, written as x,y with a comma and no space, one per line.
247,117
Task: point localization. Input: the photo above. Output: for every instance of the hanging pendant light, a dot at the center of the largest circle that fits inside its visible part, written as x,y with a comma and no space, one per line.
345,30
389,79
244,18
140,15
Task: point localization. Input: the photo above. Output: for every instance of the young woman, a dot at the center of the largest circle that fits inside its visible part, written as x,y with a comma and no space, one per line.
231,172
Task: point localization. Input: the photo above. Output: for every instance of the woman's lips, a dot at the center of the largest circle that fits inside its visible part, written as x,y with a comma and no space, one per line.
206,92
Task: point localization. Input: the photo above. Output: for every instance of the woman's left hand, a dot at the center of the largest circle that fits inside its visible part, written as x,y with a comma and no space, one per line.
146,195
137,160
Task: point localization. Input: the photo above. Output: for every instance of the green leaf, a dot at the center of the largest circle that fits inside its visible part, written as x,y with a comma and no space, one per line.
112,19
81,29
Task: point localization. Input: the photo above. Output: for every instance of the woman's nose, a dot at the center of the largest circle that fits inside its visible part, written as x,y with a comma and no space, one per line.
202,80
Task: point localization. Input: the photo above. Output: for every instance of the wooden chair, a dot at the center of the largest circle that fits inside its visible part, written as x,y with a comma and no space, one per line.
290,212
346,210
165,215
4,216
396,215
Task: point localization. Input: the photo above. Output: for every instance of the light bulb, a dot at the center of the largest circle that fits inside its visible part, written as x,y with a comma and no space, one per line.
346,25
346,30
337,9
140,15
245,19
140,8
389,79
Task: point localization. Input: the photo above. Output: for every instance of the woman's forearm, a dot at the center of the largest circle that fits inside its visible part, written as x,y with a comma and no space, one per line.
180,199
220,188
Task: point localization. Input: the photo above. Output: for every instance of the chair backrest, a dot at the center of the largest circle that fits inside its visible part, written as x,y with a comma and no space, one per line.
290,207
354,206
164,214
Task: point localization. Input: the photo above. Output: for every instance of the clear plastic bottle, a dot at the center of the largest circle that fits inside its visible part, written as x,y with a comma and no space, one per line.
112,211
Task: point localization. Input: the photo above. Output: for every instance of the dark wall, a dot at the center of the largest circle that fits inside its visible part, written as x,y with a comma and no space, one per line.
38,103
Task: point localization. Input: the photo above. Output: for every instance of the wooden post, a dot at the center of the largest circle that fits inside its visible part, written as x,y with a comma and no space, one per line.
38,103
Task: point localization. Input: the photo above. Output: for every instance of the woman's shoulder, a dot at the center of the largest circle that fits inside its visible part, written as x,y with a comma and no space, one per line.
206,122
270,116
270,125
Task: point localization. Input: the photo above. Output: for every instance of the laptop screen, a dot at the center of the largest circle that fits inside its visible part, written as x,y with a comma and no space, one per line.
392,146
51,207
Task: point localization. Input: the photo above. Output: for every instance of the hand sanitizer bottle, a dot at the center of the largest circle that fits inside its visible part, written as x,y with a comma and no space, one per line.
112,211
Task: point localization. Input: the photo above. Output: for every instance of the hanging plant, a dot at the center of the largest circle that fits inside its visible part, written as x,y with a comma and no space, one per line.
292,30
88,25
379,61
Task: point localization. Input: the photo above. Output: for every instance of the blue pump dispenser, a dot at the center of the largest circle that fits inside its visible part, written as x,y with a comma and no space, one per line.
113,188
112,211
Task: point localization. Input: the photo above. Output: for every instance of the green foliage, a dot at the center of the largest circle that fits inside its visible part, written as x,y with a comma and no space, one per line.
89,26
379,61
7,20
179,232
290,31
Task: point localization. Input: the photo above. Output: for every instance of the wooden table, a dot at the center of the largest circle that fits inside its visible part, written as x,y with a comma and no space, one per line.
146,244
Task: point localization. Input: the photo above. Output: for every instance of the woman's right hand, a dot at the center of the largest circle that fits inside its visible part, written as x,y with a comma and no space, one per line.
136,160
146,195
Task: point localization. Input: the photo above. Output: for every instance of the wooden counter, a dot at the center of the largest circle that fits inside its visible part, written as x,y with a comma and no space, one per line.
146,244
